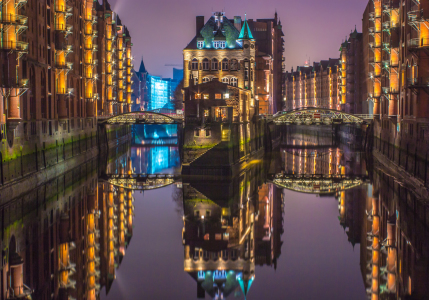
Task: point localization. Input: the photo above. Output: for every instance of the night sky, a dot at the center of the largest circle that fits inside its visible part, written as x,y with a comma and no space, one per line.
160,29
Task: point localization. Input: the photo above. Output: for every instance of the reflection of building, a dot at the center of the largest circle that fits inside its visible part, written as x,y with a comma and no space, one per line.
392,233
227,230
155,159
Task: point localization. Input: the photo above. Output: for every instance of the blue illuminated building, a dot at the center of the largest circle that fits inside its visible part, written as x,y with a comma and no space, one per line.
161,92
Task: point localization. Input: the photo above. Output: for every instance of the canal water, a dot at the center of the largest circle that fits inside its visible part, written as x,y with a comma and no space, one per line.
308,221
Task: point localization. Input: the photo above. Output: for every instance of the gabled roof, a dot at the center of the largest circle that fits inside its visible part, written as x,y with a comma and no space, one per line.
246,33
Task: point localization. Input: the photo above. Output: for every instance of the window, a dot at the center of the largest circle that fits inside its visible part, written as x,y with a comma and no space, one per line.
226,96
218,236
194,64
214,64
200,44
218,96
206,113
206,79
225,64
222,45
208,134
234,65
225,80
197,96
234,81
205,64
196,213
207,237
216,44
206,96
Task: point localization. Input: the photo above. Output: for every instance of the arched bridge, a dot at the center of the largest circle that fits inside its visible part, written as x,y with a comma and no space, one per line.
317,116
142,117
141,182
317,184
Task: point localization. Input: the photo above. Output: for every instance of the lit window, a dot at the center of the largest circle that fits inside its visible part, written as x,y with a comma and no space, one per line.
226,236
216,44
218,96
197,96
206,113
200,44
206,96
226,96
218,236
222,45
207,237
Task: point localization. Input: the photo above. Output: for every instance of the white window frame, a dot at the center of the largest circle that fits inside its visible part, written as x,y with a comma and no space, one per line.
206,65
206,79
194,63
234,81
200,44
222,44
225,80
215,44
225,65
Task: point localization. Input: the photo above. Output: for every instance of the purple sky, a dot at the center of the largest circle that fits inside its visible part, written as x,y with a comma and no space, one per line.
161,29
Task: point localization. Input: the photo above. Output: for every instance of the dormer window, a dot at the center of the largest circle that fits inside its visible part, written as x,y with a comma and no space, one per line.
222,44
200,44
216,44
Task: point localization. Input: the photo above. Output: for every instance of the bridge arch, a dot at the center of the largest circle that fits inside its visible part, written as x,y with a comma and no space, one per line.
315,115
142,117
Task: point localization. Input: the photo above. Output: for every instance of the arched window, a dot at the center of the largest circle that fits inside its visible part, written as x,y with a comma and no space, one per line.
205,64
214,64
234,81
194,64
225,80
206,79
234,65
225,64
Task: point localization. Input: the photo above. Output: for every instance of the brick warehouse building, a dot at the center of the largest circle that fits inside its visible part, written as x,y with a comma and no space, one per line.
63,65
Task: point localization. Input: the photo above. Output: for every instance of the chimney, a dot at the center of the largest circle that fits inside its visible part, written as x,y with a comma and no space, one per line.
237,22
200,24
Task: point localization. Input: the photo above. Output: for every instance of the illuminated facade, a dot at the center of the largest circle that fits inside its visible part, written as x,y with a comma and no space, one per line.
223,50
160,93
269,68
398,67
313,86
351,77
69,64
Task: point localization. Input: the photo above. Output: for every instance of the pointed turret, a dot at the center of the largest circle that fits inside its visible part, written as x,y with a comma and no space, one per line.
246,33
142,68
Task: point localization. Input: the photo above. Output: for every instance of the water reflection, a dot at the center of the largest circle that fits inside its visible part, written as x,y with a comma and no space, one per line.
229,227
68,238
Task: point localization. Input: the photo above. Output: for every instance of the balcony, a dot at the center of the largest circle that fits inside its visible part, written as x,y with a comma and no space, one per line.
417,43
13,19
14,46
64,65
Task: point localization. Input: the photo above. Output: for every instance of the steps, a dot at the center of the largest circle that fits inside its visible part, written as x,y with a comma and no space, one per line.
191,155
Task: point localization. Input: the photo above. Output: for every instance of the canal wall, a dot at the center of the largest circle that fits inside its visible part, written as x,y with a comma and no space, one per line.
224,148
26,172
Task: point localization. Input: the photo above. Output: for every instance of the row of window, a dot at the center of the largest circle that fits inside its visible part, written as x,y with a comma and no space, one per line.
216,44
207,96
225,65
